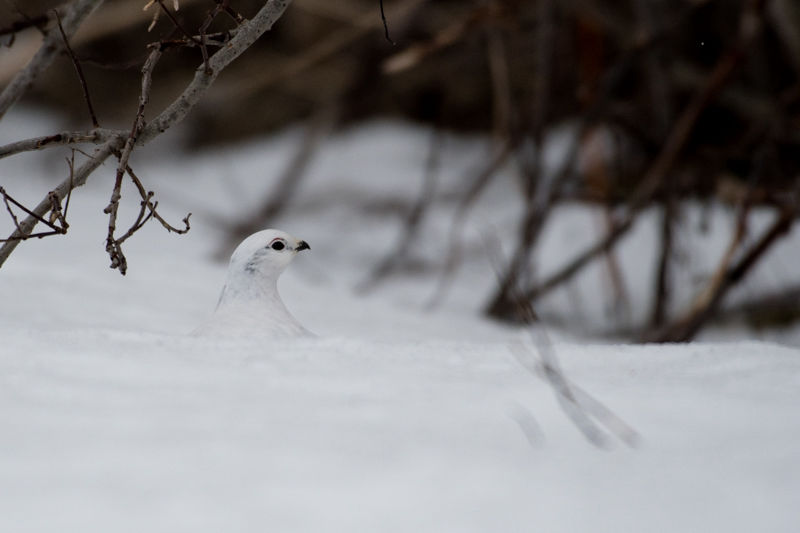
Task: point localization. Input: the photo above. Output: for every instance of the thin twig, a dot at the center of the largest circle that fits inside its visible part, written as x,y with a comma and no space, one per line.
113,245
71,164
8,198
233,14
25,229
8,208
151,206
188,35
248,33
141,220
51,47
312,56
385,25
56,215
78,70
148,209
217,39
447,36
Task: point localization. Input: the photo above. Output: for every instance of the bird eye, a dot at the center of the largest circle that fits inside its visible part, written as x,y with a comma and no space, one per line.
278,245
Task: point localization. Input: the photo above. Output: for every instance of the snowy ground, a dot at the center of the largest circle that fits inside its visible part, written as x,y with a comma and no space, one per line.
395,418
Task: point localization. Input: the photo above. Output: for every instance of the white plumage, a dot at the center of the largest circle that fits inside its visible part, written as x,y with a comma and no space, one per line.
250,304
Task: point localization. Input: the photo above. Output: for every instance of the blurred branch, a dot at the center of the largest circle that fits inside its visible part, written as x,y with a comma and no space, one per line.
39,21
199,42
648,15
540,190
312,56
750,26
447,36
662,290
280,197
413,220
686,326
454,252
584,411
53,45
769,309
501,86
785,18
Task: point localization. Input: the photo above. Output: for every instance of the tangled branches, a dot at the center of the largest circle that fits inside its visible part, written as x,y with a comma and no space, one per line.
118,143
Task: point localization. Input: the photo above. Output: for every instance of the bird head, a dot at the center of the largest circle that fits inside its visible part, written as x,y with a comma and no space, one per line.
265,254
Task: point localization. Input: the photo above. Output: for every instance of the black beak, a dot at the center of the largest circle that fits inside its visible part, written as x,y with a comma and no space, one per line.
302,245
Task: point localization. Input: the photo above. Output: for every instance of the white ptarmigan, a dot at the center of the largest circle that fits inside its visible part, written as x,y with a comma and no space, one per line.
250,304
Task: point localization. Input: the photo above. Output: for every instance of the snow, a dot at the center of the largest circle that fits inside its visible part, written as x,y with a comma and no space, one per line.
397,418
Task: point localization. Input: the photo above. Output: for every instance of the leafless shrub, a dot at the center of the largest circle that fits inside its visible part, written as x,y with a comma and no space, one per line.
119,143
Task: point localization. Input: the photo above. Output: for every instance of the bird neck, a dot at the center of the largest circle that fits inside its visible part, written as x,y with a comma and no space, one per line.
245,287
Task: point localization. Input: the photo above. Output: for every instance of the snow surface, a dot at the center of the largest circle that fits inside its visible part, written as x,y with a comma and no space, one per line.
396,418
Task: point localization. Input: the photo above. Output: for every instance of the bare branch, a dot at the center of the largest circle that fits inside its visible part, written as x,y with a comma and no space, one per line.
413,220
686,326
217,39
71,164
476,188
750,26
51,47
386,25
113,246
248,33
448,36
78,70
95,136
8,207
540,192
57,221
39,22
177,24
311,57
78,179
151,206
585,411
170,228
141,219
661,293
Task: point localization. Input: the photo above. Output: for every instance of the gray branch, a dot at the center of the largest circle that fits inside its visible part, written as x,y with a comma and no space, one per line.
95,136
78,178
247,34
52,46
